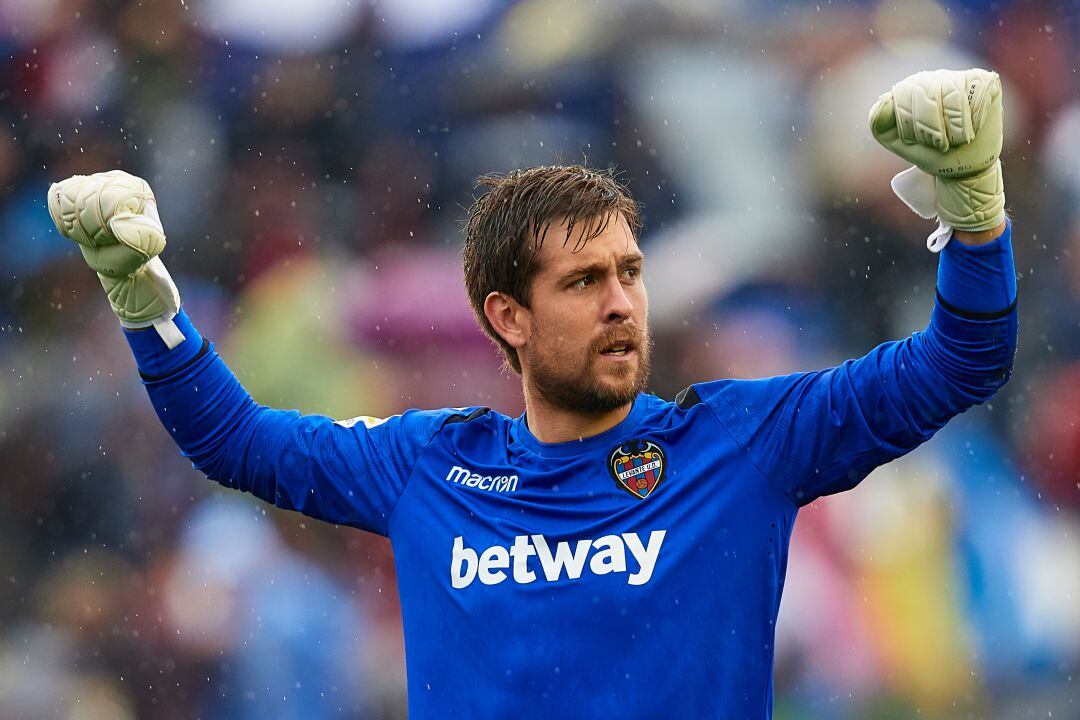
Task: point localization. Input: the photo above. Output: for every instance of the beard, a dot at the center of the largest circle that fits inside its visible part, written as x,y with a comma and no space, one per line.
570,379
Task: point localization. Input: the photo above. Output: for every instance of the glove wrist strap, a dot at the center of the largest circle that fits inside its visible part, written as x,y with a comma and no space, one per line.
974,203
163,325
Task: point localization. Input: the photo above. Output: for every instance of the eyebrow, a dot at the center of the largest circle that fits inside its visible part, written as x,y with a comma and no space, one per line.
635,258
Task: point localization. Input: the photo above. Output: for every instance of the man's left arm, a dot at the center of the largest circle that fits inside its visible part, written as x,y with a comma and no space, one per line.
948,124
814,434
819,433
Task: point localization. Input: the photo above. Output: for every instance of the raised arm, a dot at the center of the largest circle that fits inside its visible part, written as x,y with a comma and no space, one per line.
813,434
819,433
349,473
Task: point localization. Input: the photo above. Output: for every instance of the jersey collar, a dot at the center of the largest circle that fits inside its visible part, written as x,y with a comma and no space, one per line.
521,433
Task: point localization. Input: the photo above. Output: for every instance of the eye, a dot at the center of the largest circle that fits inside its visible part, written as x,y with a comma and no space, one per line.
582,282
632,273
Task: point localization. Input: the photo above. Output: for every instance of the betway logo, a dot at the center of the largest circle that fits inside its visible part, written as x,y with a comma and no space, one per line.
601,556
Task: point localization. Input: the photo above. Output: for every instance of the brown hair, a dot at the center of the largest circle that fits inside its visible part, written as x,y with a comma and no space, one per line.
508,224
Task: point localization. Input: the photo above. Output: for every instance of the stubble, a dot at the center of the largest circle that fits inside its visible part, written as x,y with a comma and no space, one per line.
570,379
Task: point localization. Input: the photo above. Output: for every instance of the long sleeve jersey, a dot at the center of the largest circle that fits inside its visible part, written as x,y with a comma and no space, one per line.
634,574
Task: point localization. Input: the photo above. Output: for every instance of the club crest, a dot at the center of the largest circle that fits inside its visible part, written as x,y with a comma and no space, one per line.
637,466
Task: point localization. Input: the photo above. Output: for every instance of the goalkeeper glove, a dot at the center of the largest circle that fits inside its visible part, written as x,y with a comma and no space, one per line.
113,217
948,123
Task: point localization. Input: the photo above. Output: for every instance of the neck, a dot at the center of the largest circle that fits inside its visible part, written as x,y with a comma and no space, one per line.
551,424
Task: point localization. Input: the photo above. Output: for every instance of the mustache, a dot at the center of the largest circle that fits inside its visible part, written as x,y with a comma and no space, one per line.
632,336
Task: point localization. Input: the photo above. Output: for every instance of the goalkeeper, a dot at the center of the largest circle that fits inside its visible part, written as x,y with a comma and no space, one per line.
607,553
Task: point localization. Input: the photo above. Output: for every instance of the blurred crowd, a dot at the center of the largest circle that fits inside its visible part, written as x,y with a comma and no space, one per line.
313,162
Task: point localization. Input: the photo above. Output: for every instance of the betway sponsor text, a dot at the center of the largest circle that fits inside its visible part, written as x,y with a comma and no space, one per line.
607,554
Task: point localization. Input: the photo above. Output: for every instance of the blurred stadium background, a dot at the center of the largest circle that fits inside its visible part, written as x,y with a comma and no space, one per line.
313,161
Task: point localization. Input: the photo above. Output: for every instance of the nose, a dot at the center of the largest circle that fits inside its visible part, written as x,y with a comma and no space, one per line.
617,303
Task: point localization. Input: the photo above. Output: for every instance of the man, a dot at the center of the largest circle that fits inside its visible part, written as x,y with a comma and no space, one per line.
607,553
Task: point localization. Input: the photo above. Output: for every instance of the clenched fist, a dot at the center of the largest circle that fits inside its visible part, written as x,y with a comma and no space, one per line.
948,124
113,217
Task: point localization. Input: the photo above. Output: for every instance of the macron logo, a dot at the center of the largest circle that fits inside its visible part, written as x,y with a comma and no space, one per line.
601,556
491,483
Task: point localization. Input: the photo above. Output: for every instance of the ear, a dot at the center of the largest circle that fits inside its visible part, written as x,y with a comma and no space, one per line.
510,318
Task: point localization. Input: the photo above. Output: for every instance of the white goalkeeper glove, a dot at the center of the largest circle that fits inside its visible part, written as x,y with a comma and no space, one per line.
113,217
948,123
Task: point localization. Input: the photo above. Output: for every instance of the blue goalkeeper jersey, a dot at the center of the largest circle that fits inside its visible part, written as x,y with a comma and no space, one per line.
634,574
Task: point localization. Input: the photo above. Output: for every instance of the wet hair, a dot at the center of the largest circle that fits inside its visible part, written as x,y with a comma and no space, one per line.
507,227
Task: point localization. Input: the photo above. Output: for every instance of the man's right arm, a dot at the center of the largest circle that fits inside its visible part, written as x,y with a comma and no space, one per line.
350,473
341,472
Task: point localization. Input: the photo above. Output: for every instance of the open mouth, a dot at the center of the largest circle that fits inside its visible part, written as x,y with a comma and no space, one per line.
619,349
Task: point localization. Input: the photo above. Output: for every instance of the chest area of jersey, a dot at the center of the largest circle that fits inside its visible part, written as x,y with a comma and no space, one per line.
622,516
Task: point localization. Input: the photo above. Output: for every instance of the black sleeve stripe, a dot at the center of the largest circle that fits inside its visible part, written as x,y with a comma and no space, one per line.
967,315
478,412
202,351
688,398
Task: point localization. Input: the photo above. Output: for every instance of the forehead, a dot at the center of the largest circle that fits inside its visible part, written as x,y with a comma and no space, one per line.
614,242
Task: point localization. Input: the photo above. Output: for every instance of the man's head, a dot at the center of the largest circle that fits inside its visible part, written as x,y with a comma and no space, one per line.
553,272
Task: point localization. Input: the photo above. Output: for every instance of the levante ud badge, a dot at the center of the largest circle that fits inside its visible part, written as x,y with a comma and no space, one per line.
637,466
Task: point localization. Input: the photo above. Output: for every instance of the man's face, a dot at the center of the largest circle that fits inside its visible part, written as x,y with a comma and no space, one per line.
588,345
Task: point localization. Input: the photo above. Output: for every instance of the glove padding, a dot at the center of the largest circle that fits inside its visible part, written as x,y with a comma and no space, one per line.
113,218
948,123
